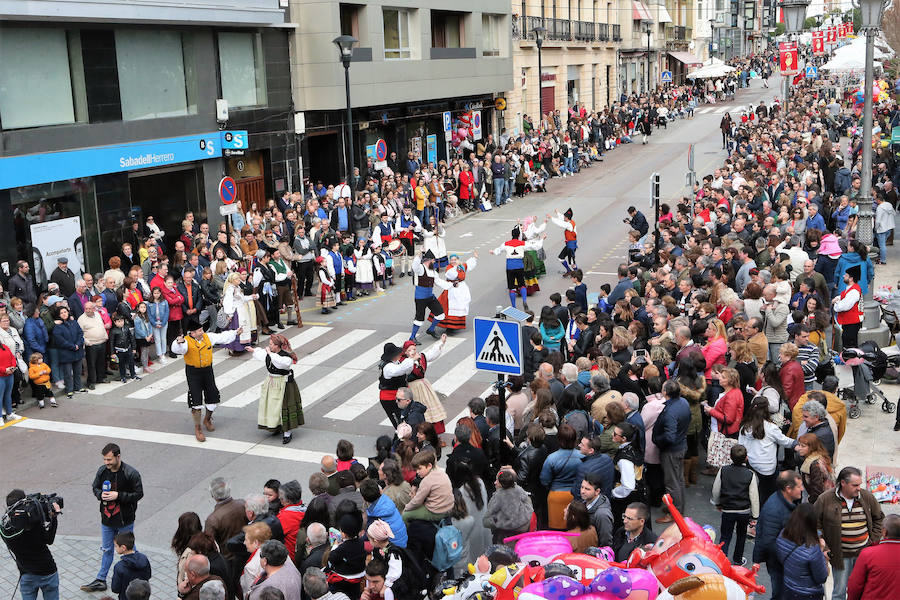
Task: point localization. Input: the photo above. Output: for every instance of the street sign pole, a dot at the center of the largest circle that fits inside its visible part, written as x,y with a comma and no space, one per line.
501,402
499,349
654,190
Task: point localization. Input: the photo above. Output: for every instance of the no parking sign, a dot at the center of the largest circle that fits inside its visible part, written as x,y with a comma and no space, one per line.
227,190
380,150
476,124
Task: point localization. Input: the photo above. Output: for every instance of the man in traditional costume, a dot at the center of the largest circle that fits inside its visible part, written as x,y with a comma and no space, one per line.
426,279
570,236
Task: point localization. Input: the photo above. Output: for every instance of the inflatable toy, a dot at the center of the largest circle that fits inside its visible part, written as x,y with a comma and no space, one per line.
611,584
541,546
685,549
509,581
585,568
707,586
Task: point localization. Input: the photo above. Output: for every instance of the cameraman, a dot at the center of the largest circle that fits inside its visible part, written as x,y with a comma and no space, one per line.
637,220
28,542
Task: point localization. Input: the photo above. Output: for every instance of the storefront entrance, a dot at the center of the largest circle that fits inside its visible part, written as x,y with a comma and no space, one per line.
167,195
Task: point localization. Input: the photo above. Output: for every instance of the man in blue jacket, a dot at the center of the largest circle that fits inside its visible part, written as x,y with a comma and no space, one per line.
594,462
670,436
772,518
382,507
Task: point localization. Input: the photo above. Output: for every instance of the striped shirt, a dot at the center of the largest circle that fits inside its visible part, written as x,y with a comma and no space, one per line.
854,527
809,359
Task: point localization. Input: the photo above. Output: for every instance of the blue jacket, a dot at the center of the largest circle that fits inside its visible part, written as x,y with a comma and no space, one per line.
66,336
618,292
805,567
670,429
35,336
851,259
385,509
772,519
560,470
130,567
158,311
142,328
598,463
816,222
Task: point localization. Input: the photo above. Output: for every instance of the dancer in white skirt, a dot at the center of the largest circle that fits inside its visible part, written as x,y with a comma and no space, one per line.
280,407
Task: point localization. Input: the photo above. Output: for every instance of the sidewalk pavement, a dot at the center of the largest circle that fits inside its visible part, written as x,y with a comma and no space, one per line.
870,440
78,558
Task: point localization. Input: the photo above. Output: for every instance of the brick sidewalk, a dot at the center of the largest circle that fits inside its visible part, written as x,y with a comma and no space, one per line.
78,558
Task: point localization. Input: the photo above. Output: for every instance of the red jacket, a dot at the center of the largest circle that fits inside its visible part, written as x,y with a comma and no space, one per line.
728,411
876,574
791,375
7,360
290,517
175,300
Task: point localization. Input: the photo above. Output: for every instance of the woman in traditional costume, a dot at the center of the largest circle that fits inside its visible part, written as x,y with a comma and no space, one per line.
241,311
420,387
280,407
456,299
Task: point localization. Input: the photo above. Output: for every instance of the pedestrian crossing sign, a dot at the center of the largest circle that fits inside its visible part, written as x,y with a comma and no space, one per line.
666,77
812,72
498,346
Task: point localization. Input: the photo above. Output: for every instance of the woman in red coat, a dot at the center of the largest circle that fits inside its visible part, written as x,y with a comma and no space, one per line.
791,373
729,408
8,367
175,301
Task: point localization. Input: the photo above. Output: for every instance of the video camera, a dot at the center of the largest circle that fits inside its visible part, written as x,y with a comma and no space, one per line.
31,511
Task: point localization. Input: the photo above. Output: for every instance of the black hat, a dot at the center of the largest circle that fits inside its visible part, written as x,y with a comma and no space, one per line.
192,324
855,271
568,214
429,255
390,352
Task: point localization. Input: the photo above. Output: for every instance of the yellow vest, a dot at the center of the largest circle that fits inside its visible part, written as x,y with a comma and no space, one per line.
199,354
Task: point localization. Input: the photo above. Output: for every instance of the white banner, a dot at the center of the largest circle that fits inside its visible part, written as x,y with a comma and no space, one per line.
53,239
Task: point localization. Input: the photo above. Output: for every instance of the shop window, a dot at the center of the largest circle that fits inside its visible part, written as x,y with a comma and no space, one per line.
490,34
242,68
41,78
446,29
396,33
152,77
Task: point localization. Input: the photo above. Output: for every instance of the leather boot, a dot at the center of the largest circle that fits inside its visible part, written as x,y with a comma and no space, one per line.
198,432
693,473
687,472
207,421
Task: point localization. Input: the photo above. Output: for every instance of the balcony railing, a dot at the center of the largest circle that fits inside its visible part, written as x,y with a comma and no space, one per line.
679,33
564,30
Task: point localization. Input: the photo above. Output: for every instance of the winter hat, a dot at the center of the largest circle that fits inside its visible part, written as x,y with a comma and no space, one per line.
380,531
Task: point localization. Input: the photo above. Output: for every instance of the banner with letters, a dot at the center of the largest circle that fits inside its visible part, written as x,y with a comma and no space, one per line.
53,239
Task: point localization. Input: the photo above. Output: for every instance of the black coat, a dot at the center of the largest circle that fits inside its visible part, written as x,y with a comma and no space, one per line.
65,280
130,488
196,295
469,453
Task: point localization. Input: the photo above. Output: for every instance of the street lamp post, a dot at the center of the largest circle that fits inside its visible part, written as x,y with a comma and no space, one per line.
712,37
794,18
870,12
345,46
649,32
539,41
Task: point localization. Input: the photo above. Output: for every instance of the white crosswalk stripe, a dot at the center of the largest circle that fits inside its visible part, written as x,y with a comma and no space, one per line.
305,364
169,381
368,398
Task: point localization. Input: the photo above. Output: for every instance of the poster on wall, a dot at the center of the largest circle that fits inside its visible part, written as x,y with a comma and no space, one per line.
52,240
431,148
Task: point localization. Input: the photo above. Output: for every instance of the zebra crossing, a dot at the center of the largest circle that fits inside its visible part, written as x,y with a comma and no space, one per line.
718,110
336,372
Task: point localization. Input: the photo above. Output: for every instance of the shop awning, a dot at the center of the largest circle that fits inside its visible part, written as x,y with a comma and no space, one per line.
664,16
639,11
686,58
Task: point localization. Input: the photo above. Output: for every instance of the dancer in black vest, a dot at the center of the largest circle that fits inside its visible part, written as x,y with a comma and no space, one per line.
280,407
393,377
426,279
264,282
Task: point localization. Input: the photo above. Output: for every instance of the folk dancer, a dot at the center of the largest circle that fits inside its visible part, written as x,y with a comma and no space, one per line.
350,269
335,262
456,299
434,241
570,235
395,366
848,308
534,253
265,282
365,267
382,235
280,406
426,279
240,311
407,226
197,349
515,266
281,263
420,387
326,285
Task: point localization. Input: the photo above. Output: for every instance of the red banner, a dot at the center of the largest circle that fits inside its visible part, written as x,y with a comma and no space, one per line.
789,61
818,42
832,34
842,31
786,45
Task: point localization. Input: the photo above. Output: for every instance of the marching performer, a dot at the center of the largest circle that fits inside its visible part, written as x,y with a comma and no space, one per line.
426,279
456,299
434,241
515,265
420,387
567,256
197,349
383,232
407,226
280,406
394,367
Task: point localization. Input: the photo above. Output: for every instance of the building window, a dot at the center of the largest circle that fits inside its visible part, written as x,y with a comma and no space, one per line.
446,29
242,68
396,33
41,78
350,19
490,34
151,68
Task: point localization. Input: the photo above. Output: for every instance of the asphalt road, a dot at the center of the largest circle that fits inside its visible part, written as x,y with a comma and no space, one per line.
58,450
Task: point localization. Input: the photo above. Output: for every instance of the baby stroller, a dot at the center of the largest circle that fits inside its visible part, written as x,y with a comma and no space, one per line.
869,364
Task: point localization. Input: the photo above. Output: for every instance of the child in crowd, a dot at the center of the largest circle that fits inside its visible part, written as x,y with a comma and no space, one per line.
735,493
509,510
344,452
39,378
434,497
121,338
132,565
